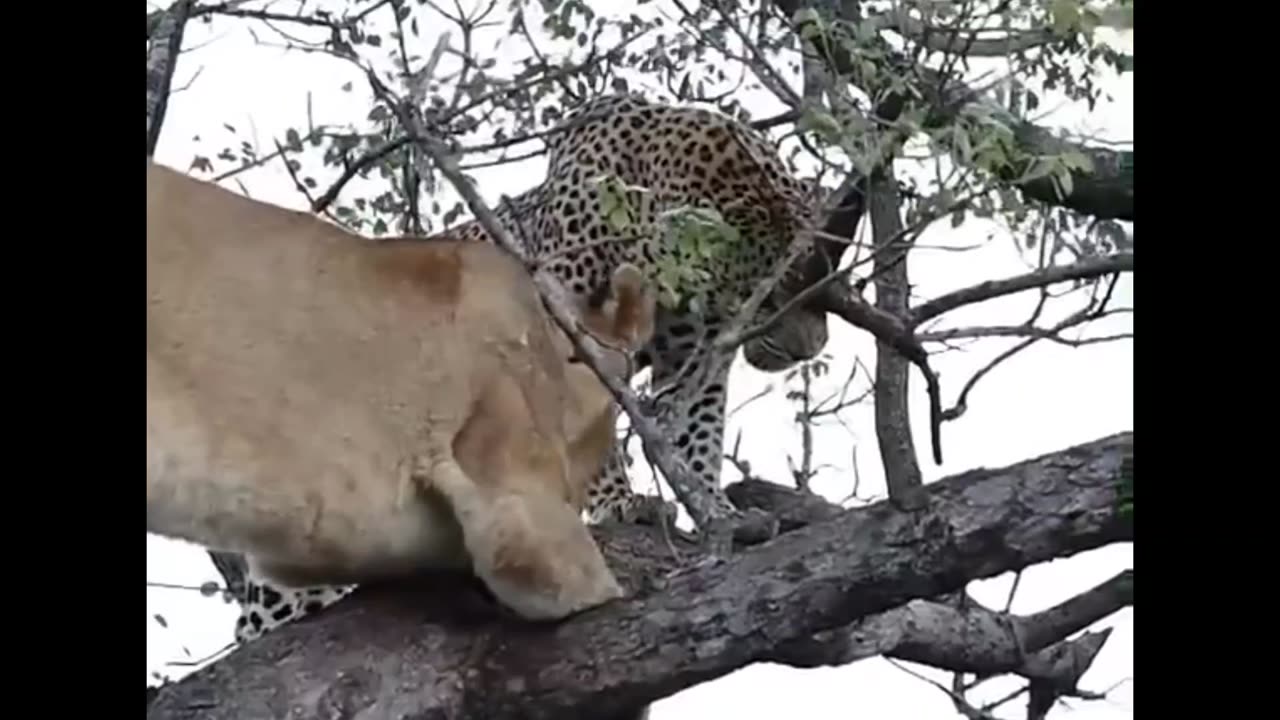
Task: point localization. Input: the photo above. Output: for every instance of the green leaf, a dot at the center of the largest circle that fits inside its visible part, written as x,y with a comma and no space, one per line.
1037,167
823,123
1076,160
1065,15
618,218
1118,15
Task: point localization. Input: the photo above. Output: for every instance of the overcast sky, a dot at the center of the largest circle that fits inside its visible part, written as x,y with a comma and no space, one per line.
1046,398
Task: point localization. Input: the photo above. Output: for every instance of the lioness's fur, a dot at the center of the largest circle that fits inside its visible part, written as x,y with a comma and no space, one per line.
343,410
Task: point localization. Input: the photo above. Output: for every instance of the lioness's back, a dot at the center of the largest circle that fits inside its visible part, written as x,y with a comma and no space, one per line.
282,349
184,211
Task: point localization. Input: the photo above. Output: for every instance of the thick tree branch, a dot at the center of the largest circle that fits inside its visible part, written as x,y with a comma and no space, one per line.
425,649
970,640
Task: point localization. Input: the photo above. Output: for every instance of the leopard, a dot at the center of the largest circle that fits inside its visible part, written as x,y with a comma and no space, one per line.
621,168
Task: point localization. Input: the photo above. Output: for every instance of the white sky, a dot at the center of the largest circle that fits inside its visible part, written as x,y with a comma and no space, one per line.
1046,398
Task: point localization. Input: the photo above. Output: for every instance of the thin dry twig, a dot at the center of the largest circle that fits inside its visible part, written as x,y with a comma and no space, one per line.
1090,312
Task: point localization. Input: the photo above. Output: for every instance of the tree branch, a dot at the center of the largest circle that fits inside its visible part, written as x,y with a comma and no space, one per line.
974,639
964,40
893,418
1085,269
164,44
1105,192
425,648
840,301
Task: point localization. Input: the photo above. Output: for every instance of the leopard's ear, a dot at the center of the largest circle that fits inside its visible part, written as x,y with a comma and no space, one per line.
633,304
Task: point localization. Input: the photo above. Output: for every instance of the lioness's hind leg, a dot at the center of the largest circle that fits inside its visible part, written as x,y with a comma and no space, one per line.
531,550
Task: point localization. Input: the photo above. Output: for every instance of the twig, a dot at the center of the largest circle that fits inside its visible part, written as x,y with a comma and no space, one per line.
1086,314
1021,331
355,168
957,699
302,188
391,146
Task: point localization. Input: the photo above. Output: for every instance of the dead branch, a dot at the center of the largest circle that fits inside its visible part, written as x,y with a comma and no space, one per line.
433,648
1083,270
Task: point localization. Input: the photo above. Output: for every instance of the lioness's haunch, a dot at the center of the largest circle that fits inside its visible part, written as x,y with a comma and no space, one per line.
343,410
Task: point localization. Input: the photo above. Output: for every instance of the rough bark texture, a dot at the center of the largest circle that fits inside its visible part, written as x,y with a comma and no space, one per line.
893,420
432,648
164,41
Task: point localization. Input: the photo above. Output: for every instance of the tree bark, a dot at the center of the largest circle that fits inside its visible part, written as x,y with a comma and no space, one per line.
893,416
428,649
164,42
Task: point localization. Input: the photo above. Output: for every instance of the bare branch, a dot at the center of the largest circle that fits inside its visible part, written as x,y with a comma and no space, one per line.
369,159
968,41
1022,331
227,10
1092,311
1083,270
438,650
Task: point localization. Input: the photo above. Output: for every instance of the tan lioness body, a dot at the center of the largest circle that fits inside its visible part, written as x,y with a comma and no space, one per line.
343,410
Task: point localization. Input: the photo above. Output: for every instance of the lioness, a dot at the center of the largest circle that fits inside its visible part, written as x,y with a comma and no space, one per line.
343,410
